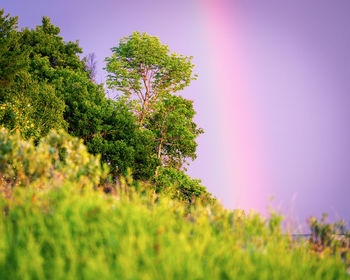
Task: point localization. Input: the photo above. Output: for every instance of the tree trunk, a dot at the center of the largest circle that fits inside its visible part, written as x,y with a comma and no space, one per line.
160,147
142,116
158,153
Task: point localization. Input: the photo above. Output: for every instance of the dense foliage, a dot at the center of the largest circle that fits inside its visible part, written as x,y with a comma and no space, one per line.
148,75
50,87
56,158
177,184
145,70
174,130
12,58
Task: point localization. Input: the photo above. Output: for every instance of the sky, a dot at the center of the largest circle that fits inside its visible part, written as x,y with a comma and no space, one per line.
273,91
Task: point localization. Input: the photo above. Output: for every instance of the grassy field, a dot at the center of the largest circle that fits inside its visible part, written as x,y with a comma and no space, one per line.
62,232
58,222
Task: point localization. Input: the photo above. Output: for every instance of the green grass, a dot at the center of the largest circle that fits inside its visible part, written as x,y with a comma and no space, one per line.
63,233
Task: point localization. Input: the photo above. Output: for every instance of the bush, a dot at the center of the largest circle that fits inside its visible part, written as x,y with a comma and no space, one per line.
330,237
57,156
179,185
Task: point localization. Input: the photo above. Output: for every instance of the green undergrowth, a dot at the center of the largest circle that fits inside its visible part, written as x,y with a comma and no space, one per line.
61,217
64,232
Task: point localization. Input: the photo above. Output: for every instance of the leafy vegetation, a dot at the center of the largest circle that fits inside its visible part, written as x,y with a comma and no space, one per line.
58,222
332,238
54,90
57,157
68,234
92,187
145,70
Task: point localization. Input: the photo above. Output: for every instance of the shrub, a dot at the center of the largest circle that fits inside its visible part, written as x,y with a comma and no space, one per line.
179,185
58,156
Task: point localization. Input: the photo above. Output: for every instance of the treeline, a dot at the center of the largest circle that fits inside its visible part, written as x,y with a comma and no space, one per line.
147,128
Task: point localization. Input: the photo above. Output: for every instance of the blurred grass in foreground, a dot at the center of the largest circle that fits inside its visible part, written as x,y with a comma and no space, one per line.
66,233
56,224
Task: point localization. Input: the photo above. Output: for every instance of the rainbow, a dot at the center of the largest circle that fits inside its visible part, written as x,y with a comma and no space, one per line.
238,126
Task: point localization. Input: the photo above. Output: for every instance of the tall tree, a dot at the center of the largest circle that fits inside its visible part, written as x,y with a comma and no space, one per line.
145,71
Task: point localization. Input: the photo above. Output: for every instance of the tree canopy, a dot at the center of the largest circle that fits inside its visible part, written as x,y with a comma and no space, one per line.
145,70
45,85
175,131
148,75
28,104
12,58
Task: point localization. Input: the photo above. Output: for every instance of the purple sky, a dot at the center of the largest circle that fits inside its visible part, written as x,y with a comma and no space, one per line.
295,62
